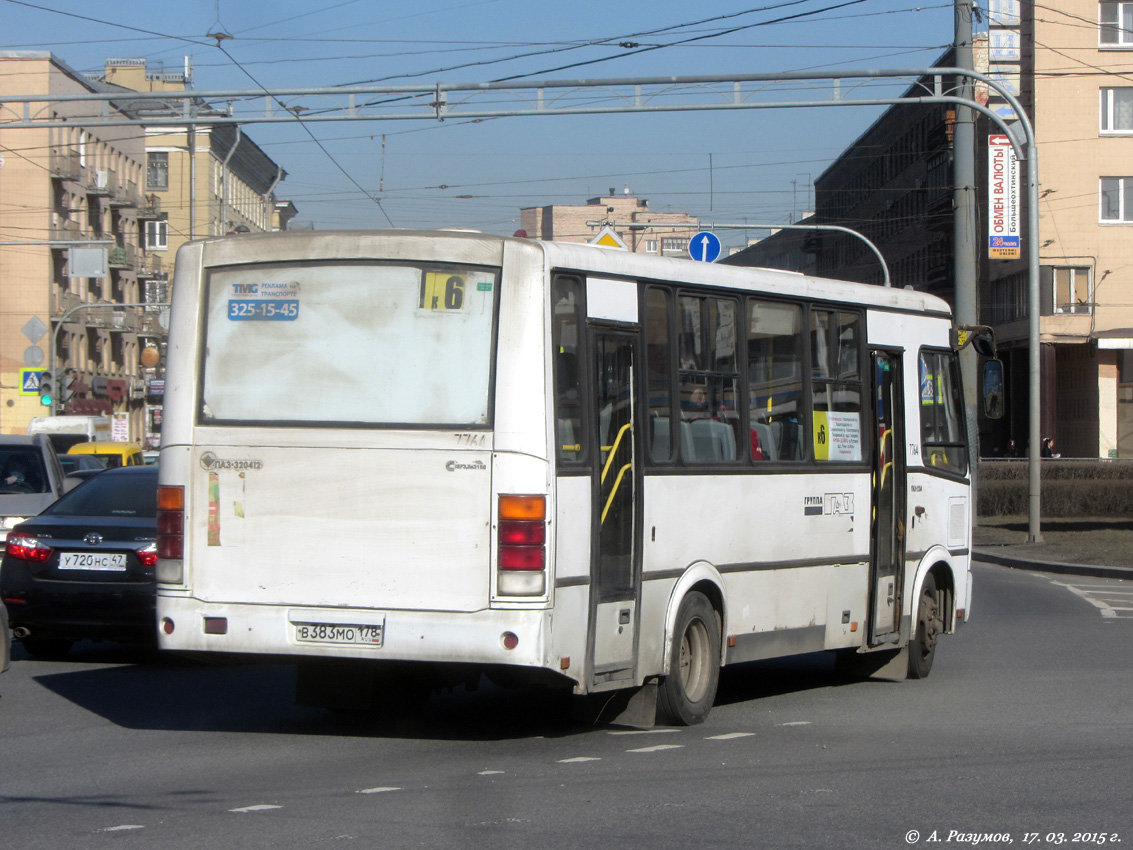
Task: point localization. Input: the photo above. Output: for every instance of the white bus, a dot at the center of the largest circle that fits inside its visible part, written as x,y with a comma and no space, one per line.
400,457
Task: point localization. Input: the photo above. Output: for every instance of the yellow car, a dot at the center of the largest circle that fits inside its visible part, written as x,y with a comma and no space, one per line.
109,453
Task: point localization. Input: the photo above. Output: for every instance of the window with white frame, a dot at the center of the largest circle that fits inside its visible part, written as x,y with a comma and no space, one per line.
1117,199
1115,25
1072,289
651,246
1117,110
157,235
157,170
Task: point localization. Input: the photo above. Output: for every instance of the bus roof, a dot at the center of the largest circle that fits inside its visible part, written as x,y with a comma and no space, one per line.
488,248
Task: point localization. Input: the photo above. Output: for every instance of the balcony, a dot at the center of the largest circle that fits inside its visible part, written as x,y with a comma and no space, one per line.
65,164
149,266
150,209
128,196
120,257
104,183
64,229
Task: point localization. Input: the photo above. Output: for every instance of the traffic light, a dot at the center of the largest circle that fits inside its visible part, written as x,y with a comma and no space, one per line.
65,389
46,389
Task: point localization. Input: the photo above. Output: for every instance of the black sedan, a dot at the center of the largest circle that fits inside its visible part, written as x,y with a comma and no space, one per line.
84,568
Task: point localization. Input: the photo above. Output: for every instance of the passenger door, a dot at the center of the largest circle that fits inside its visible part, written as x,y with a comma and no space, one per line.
616,562
887,537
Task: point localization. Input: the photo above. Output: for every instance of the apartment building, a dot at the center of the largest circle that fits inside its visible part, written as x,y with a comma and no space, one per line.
62,189
1071,69
640,229
1075,78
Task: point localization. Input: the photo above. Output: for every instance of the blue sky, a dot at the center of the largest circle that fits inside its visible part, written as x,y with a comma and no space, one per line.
762,161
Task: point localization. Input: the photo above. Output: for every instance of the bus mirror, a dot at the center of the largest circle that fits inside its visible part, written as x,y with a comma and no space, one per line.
993,389
980,337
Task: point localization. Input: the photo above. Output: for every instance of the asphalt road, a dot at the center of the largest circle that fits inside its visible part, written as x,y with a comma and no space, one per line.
1023,731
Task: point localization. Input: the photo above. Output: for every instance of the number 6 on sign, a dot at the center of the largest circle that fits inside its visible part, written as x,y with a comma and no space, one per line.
442,291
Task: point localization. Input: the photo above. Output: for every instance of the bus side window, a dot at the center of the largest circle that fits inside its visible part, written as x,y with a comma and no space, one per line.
836,386
709,379
570,428
943,429
775,379
659,374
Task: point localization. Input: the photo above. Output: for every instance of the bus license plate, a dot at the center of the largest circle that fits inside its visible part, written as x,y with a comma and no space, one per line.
98,561
370,635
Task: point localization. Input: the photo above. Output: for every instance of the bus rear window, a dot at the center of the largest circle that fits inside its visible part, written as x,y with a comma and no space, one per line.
349,343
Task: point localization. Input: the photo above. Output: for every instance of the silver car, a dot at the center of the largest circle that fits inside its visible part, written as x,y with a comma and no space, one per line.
30,479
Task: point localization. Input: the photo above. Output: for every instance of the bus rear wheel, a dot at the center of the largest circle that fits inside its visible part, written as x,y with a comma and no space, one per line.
686,694
930,625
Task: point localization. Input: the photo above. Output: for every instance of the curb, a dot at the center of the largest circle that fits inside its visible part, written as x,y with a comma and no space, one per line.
1094,571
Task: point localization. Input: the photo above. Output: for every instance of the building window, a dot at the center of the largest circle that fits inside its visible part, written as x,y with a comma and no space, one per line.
1117,109
650,246
673,245
157,170
1072,290
1117,199
157,235
1116,28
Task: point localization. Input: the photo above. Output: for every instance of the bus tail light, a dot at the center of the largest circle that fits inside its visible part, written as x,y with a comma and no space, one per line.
522,552
170,533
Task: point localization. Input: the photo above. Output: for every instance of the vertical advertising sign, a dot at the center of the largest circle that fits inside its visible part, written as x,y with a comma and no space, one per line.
1002,200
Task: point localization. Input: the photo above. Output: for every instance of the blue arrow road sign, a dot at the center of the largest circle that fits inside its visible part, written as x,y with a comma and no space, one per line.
704,247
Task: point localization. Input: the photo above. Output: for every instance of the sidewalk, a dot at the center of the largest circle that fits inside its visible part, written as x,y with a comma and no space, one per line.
1089,546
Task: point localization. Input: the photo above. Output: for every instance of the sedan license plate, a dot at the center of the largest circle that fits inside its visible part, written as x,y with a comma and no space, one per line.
96,561
370,635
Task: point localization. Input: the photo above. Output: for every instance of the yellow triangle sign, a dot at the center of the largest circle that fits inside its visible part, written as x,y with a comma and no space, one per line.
607,238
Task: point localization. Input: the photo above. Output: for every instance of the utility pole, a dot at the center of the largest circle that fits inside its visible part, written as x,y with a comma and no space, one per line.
964,230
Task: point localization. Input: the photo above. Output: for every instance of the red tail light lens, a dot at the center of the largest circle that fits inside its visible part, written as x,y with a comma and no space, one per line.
170,522
148,556
24,547
522,533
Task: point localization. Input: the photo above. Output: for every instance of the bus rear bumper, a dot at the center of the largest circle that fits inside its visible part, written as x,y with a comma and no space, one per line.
514,637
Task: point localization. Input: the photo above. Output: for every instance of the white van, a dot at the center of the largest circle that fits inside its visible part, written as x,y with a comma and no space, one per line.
65,431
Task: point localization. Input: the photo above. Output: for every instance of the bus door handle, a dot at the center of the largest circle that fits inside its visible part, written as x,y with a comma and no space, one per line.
623,617
918,511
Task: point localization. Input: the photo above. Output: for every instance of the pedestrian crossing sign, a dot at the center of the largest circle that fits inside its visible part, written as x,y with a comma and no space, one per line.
29,381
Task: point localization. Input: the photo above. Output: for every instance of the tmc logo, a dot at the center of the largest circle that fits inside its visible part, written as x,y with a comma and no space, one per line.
245,288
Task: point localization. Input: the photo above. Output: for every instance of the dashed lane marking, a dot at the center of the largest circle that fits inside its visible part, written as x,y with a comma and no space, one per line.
121,828
579,759
730,736
263,807
382,789
657,748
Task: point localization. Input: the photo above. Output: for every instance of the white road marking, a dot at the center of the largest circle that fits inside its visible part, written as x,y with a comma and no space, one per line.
657,748
489,772
379,790
730,736
1097,595
122,827
642,731
263,807
797,723
579,759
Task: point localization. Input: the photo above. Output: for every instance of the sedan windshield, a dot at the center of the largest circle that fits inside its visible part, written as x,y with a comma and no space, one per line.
127,494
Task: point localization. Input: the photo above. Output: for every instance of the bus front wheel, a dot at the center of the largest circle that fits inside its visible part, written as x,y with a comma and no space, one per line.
686,694
930,625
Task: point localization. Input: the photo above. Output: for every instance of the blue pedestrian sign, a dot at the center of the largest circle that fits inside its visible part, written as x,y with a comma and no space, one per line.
704,247
29,381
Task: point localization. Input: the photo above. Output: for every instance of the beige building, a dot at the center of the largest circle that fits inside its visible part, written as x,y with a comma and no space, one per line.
145,192
639,229
59,189
1073,64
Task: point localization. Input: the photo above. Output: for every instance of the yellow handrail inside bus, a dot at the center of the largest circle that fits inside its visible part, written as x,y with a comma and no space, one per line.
614,449
613,491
